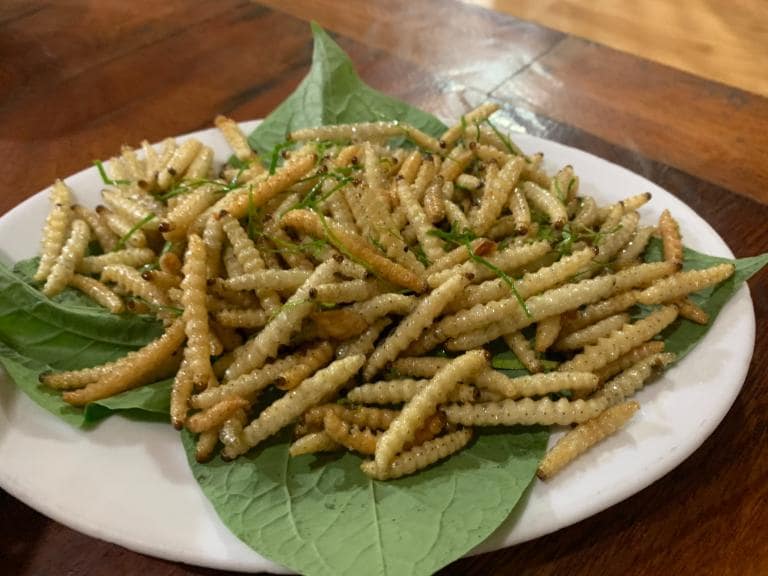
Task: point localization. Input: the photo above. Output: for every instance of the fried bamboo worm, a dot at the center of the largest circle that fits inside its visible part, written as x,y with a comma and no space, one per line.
454,165
132,209
55,230
626,360
418,218
288,408
310,362
591,334
537,384
545,202
547,330
362,416
129,235
434,201
239,202
104,236
195,315
71,254
530,284
587,215
349,291
413,324
178,220
632,251
620,341
475,116
97,292
355,246
691,311
278,280
74,379
419,457
555,301
615,237
583,437
669,230
521,212
252,382
206,444
351,437
632,379
216,415
130,280
280,329
424,404
364,343
419,367
236,139
457,256
242,317
163,280
525,411
367,131
403,390
312,443
248,257
579,319
180,160
496,195
511,258
683,283
131,372
200,167
521,347
133,257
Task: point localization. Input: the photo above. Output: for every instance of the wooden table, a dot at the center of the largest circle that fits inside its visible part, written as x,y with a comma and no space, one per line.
77,79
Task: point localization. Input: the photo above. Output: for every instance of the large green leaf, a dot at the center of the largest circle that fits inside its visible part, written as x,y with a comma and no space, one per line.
147,403
150,402
63,336
38,334
322,515
25,373
332,93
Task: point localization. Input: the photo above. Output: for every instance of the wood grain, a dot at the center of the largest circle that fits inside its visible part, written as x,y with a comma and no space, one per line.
658,111
655,110
701,37
80,78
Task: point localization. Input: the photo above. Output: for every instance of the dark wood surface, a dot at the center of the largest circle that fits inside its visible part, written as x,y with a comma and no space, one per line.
77,79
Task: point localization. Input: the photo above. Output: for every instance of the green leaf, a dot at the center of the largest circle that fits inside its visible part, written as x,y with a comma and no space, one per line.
150,402
322,515
332,93
38,334
683,335
25,373
62,336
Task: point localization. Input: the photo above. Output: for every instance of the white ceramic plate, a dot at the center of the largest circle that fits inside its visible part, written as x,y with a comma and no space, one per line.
129,483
